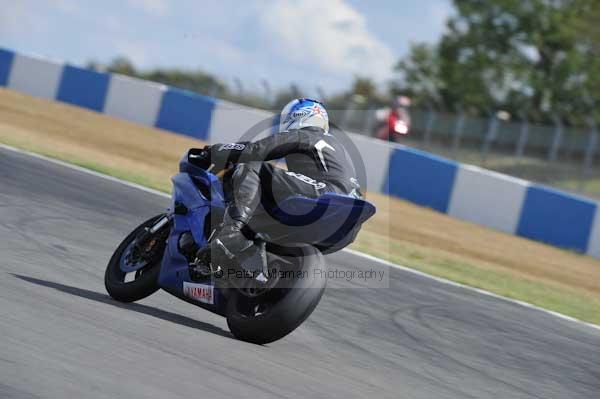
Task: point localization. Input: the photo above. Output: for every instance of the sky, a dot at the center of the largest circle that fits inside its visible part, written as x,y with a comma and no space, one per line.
314,43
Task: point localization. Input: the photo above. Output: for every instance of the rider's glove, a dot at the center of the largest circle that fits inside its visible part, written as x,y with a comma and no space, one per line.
216,157
200,157
210,158
224,156
219,159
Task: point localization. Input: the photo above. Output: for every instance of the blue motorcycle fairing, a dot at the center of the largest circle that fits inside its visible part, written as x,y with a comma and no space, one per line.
324,220
201,192
174,273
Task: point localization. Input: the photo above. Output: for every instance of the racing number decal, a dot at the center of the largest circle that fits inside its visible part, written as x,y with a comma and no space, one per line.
321,144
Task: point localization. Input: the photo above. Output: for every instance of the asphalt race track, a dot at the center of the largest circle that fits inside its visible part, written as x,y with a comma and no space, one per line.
62,336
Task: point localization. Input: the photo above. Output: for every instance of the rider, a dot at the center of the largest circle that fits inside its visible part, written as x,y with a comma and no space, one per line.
316,161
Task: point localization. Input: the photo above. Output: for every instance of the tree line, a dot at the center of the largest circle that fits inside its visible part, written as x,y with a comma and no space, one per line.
536,59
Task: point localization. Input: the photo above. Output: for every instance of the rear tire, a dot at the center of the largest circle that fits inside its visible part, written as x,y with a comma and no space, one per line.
286,306
145,284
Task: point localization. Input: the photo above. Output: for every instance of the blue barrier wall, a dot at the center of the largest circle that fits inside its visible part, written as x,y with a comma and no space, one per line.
6,59
421,178
490,199
83,87
557,218
185,112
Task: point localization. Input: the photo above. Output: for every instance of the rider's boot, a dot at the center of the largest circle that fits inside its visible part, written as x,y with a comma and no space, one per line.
230,241
242,192
224,248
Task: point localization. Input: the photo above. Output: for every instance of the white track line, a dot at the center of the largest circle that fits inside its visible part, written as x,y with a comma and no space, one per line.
350,251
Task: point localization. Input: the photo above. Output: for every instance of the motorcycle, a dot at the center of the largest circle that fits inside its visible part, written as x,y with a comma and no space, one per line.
393,125
272,290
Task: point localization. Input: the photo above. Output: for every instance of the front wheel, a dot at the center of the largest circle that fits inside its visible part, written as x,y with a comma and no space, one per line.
136,285
261,318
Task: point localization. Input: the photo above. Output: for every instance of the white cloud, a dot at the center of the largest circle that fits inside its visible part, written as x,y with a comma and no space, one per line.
308,42
157,8
329,35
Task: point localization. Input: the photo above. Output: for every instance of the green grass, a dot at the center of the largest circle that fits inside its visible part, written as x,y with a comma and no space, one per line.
573,302
591,187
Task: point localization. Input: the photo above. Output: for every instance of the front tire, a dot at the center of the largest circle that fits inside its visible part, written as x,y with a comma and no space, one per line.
276,313
145,282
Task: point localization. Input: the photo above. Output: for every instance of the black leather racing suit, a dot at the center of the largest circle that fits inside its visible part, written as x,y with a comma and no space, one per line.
316,163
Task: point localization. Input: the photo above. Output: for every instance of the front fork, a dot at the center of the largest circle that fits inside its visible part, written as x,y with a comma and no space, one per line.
142,241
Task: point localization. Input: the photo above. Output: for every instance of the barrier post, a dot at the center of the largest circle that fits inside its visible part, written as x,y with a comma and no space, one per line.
346,115
556,140
431,115
368,121
523,138
458,127
489,137
268,92
590,151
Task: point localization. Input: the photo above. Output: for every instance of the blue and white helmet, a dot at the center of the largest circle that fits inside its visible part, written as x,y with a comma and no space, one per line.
303,112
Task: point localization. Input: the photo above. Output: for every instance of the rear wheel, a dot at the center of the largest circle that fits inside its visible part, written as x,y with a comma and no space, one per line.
265,316
146,257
